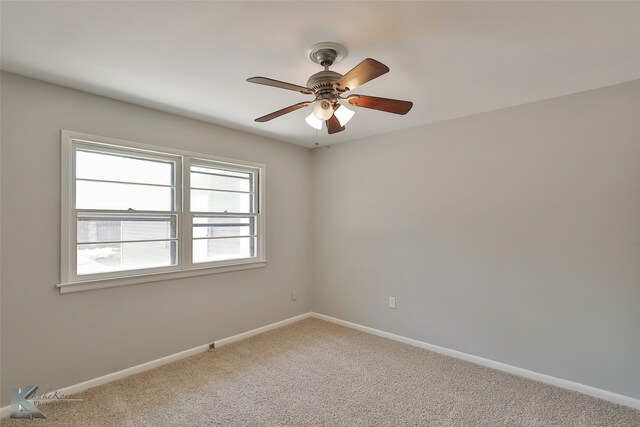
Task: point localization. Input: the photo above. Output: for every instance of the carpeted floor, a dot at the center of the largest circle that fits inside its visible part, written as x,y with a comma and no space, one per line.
315,373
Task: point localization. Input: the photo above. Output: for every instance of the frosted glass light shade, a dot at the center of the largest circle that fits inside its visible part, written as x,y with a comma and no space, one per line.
343,114
323,109
313,121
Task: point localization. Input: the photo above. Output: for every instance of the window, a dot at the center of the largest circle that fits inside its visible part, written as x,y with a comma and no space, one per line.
224,219
133,213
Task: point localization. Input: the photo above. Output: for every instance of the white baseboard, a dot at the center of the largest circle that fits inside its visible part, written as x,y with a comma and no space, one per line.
570,385
244,335
548,379
77,388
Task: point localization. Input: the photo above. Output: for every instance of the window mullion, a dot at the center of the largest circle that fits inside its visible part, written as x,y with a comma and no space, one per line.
187,229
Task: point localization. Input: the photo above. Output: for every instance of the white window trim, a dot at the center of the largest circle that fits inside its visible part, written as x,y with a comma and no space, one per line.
185,268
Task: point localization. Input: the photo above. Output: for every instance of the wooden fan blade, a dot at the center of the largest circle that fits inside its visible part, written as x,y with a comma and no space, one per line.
282,85
282,112
383,104
333,125
365,71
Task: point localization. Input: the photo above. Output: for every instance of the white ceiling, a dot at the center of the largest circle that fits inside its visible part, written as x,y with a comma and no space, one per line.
451,59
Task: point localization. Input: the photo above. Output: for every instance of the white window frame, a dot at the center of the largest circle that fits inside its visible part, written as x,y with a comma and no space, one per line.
71,282
205,162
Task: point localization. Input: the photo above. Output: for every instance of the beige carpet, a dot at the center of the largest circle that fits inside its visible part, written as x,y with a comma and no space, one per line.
315,373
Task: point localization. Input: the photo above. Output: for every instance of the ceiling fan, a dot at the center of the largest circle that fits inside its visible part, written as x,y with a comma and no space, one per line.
328,88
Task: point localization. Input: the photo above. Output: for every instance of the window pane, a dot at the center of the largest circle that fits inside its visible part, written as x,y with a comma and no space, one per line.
219,179
223,226
108,195
104,228
113,167
221,201
209,250
108,257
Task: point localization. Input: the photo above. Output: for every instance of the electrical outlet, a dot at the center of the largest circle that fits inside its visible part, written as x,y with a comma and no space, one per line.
392,302
293,296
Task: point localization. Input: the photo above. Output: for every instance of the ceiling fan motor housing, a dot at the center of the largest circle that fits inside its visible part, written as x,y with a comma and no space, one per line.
323,83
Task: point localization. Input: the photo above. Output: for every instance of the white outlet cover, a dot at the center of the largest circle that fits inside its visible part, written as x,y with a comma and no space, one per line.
392,302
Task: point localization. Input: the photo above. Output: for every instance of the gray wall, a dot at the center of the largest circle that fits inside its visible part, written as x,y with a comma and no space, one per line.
59,340
512,235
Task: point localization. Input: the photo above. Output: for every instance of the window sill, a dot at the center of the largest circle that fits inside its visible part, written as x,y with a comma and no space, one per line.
89,285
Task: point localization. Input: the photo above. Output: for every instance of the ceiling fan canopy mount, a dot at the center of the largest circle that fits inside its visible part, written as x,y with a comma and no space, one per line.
327,53
329,86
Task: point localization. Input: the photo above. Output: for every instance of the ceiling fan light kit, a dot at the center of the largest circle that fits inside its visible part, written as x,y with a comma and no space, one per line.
343,114
329,86
323,109
313,121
